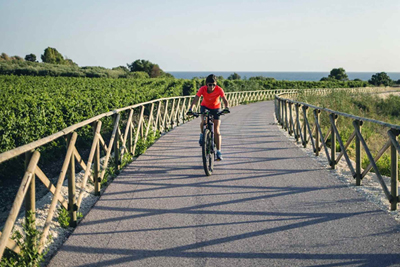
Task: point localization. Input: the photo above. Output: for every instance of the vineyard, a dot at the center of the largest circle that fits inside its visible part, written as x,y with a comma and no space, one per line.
35,107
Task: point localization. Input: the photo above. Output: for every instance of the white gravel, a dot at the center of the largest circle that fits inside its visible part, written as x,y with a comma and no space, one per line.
57,233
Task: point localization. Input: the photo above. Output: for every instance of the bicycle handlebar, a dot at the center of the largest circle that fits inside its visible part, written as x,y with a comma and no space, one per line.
195,114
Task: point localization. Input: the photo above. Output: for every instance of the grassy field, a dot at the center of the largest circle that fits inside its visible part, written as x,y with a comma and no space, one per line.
373,106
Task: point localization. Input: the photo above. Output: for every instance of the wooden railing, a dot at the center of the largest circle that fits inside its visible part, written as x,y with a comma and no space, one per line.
129,125
293,117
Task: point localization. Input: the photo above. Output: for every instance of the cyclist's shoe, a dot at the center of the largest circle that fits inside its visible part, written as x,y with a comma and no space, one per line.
219,155
201,139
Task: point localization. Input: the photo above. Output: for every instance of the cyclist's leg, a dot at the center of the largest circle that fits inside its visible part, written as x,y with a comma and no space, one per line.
217,134
201,123
202,110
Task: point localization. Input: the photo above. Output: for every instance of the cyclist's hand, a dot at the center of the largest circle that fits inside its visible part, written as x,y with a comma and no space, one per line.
189,113
226,111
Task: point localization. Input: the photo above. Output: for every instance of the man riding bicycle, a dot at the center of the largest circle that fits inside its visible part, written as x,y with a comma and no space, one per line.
211,93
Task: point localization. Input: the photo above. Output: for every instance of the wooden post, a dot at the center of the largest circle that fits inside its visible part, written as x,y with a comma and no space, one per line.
297,131
150,121
358,154
72,208
116,146
394,183
130,135
30,198
16,206
171,117
157,128
305,111
286,115
333,142
317,136
290,119
278,111
164,123
96,175
140,123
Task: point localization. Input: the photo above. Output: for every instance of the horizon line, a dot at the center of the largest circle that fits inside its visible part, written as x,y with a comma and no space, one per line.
275,71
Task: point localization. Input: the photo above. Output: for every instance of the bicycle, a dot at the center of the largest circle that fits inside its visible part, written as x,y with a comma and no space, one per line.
207,143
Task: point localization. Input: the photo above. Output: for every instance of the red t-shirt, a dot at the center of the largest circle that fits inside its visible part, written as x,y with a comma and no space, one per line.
211,101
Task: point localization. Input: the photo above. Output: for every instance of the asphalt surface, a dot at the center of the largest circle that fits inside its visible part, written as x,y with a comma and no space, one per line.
266,204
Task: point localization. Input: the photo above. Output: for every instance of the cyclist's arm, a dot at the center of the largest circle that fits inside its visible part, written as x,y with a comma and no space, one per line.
194,102
226,104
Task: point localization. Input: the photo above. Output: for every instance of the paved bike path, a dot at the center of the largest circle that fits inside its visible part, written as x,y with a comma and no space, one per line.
267,204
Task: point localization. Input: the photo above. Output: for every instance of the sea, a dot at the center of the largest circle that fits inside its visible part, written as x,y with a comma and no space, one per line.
287,76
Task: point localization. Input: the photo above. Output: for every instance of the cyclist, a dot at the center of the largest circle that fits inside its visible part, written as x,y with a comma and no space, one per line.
211,93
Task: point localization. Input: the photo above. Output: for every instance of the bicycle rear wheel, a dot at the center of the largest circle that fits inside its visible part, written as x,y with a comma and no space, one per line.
208,152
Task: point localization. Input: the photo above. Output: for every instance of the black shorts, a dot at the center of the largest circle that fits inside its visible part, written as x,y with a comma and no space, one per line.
214,112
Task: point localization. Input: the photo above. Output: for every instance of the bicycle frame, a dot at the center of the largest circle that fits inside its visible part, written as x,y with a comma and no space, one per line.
207,142
209,124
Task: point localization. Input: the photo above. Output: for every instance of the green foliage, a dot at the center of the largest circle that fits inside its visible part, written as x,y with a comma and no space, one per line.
141,147
36,107
139,75
234,76
338,74
29,245
68,69
16,58
362,105
389,107
52,56
30,57
4,57
261,78
141,65
63,217
121,68
380,79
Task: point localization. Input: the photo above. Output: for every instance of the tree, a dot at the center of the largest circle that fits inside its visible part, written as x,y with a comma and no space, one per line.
153,70
17,58
338,74
30,57
122,68
69,62
52,56
4,57
381,79
141,65
234,76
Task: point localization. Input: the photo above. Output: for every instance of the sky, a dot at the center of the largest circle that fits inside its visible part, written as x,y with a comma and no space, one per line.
219,35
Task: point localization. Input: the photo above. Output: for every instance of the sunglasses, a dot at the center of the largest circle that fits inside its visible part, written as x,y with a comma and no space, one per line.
211,84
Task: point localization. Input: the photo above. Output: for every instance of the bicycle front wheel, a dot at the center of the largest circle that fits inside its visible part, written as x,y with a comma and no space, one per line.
208,152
